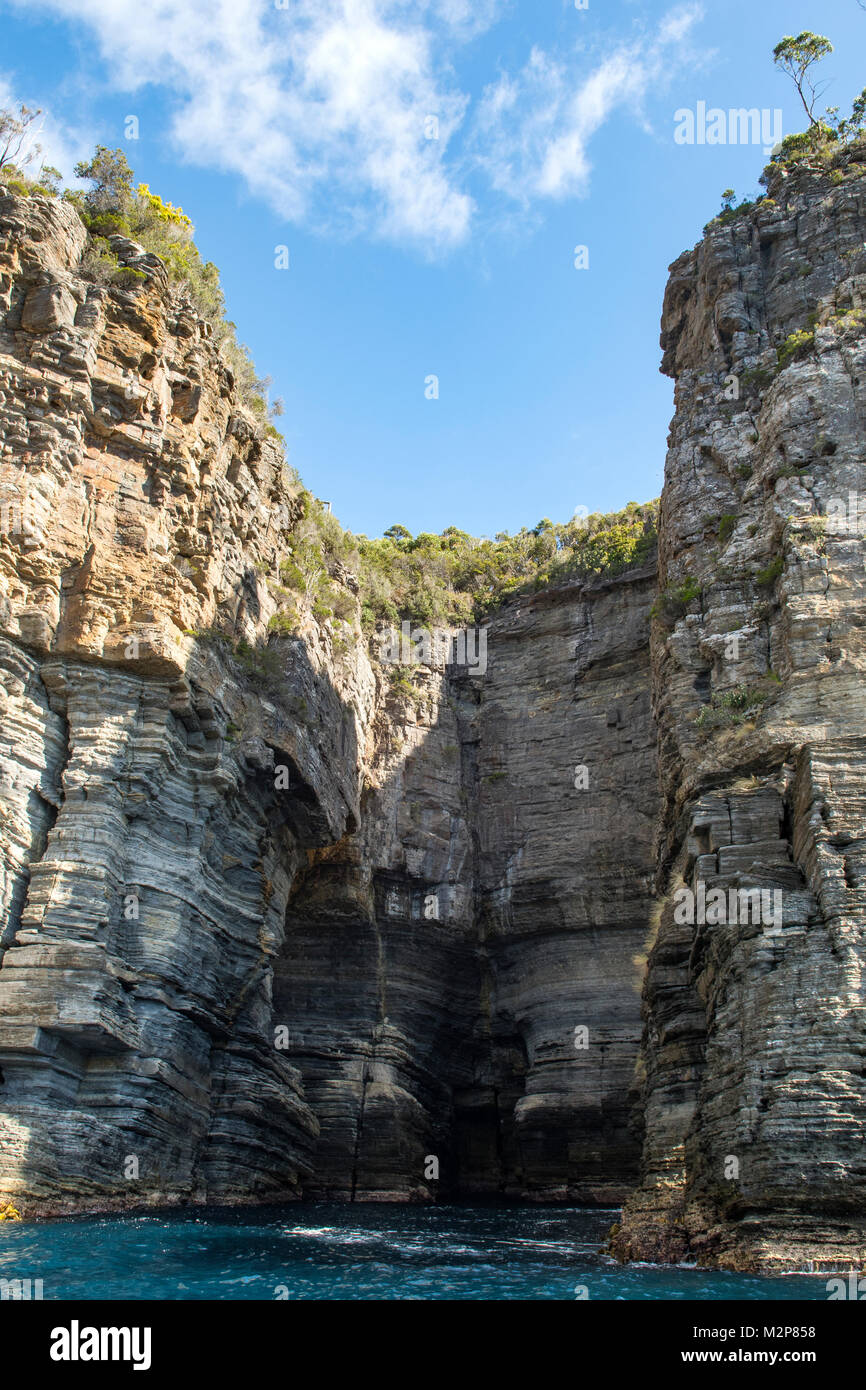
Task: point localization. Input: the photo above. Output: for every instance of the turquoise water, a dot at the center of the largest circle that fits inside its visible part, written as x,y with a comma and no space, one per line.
330,1251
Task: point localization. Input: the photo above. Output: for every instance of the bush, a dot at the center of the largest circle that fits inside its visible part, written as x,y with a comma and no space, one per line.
263,666
733,707
768,576
795,346
727,526
453,578
400,678
343,605
285,622
100,265
674,602
759,377
729,214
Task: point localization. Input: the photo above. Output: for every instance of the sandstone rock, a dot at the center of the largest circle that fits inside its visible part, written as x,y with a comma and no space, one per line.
755,1099
232,989
315,934
48,307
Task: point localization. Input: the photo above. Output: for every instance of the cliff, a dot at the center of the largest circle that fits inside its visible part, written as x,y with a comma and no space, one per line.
306,932
754,1047
332,934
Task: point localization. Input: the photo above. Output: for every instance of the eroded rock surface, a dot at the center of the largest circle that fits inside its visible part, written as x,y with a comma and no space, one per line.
334,937
365,978
147,854
755,1102
456,1036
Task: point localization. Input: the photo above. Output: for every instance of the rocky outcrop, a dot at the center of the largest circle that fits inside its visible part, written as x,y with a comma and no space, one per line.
460,979
585,924
755,1102
312,932
149,842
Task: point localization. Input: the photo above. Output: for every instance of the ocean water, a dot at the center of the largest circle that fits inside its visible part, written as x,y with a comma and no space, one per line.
331,1251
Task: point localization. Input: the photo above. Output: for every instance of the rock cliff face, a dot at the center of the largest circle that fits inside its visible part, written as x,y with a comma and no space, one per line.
456,1037
326,936
755,1049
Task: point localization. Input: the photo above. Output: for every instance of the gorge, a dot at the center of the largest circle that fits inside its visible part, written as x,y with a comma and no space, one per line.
350,937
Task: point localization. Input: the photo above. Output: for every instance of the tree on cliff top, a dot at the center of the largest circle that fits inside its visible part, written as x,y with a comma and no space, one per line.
825,135
18,150
14,138
108,202
796,56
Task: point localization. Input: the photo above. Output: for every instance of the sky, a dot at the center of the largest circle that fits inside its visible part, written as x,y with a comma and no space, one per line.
429,170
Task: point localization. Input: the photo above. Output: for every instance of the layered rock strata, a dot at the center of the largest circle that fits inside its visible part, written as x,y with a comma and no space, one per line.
314,934
755,1048
441,965
324,932
148,852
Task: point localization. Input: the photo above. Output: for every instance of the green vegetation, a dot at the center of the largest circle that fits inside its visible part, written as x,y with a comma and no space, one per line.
732,707
47,184
824,142
768,576
449,579
285,621
454,577
730,210
401,681
796,57
114,206
795,346
264,665
673,602
18,151
319,547
100,264
445,580
759,377
822,145
727,526
849,321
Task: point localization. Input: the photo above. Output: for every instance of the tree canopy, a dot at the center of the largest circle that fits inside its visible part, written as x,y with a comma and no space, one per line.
796,57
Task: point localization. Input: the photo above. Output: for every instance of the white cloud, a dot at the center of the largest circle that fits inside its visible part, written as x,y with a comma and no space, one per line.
322,106
468,17
535,129
320,100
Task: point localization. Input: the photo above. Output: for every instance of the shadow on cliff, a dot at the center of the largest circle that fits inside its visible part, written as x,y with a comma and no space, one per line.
439,962
137,1045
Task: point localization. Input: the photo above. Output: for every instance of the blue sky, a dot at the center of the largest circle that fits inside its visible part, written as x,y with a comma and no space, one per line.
306,124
